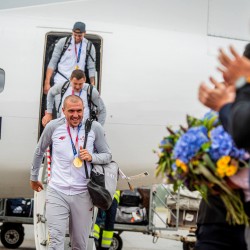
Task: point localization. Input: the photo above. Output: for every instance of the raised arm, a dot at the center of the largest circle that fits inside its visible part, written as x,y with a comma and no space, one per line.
233,66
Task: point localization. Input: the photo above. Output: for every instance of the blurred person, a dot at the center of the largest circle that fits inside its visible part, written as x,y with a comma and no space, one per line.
232,101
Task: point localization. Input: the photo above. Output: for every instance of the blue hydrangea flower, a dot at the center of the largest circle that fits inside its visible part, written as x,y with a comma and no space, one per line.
222,143
190,143
240,154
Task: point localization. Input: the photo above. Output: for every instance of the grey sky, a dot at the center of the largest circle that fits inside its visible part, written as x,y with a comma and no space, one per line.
22,3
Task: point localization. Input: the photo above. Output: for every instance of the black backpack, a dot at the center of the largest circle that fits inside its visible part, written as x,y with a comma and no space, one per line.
91,105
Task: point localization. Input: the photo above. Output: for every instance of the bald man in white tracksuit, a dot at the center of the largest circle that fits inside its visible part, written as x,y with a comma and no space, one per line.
67,195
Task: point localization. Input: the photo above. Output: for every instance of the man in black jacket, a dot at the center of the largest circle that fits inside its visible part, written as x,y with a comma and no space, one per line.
234,114
213,231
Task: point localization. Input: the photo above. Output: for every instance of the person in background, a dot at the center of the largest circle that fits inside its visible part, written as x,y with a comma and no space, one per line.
104,238
234,116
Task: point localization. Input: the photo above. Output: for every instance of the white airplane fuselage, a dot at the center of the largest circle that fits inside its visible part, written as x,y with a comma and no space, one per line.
150,71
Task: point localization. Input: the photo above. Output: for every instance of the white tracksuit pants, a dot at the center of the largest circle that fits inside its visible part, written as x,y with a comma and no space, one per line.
75,209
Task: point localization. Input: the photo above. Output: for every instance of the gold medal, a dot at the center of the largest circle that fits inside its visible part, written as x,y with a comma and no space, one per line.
77,162
77,67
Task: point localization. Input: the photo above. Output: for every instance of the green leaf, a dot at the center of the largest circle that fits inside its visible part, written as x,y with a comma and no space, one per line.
193,122
211,121
205,146
209,162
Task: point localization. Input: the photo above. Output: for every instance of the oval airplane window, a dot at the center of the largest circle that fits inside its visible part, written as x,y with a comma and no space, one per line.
2,80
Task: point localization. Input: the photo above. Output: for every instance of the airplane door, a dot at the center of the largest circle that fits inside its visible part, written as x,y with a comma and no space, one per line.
50,39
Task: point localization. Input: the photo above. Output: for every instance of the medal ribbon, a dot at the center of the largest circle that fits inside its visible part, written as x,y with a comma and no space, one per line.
73,92
78,55
74,145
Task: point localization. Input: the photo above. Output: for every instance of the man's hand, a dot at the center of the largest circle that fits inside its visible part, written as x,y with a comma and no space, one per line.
92,80
217,97
46,87
47,118
36,186
234,66
85,155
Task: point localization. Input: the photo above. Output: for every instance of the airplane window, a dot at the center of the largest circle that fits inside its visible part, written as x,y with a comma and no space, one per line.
2,80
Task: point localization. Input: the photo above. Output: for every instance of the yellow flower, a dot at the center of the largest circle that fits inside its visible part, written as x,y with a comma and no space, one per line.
231,170
181,165
222,167
223,161
178,162
184,168
220,172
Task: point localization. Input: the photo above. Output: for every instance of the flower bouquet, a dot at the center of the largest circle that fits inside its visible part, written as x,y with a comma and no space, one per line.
203,157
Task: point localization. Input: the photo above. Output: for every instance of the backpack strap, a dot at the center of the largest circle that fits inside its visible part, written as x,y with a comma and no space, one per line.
88,125
88,52
89,97
61,74
90,102
64,89
65,47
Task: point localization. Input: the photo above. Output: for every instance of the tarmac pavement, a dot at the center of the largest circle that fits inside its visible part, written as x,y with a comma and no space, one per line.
131,241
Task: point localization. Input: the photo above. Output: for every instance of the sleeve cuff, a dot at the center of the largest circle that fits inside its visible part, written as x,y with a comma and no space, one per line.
93,158
34,177
49,111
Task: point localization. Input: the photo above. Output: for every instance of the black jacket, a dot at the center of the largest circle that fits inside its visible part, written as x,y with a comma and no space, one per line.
235,118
